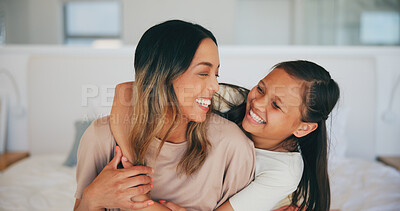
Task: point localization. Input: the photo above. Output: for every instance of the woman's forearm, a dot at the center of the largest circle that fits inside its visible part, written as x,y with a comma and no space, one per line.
84,204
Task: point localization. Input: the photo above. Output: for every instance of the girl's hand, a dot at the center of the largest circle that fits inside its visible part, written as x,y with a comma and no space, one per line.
172,206
114,188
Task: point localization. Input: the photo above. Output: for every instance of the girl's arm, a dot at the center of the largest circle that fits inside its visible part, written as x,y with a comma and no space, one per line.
226,206
120,117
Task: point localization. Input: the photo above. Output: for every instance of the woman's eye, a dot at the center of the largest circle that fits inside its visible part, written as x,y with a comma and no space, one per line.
203,74
216,75
275,105
260,90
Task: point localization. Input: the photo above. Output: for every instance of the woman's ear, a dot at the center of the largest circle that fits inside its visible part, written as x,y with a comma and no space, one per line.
305,128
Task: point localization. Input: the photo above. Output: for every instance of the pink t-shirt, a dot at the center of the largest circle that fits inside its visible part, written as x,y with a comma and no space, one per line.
229,166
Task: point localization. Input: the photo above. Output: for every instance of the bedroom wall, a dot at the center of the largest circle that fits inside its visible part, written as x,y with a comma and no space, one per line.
28,23
26,20
72,73
16,64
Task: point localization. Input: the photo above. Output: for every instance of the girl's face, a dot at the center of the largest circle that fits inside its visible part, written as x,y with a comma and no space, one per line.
195,88
273,109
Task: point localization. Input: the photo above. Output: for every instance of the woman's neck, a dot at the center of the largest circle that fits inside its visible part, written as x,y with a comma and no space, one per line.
177,135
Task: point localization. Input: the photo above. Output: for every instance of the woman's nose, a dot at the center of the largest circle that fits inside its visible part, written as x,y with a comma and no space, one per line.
213,85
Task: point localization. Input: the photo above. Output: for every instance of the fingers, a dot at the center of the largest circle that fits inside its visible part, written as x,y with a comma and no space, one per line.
117,158
172,206
136,170
138,180
139,190
125,162
141,205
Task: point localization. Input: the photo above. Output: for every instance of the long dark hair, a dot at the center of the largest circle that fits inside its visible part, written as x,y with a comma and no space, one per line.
164,53
320,95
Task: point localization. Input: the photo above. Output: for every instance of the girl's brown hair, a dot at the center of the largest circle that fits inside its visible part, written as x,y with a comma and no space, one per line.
320,95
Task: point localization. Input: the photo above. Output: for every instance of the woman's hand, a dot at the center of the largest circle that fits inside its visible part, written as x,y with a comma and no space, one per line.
114,188
172,206
138,198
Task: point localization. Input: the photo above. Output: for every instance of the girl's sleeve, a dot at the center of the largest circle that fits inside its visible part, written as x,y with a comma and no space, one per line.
94,152
268,188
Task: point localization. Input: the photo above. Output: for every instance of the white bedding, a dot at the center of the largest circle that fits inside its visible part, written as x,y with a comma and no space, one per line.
38,183
364,185
43,183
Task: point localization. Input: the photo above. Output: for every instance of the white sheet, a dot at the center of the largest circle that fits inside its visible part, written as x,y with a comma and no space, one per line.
364,185
38,183
42,183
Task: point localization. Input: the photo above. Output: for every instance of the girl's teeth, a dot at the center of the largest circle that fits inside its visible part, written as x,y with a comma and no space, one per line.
203,102
256,118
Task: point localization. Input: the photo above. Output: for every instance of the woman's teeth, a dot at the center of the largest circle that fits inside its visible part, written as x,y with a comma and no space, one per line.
256,117
203,102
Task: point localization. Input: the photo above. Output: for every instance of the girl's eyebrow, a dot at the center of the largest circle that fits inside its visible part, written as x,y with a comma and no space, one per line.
281,102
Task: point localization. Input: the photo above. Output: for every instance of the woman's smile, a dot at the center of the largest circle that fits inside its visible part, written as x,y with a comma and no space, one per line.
204,103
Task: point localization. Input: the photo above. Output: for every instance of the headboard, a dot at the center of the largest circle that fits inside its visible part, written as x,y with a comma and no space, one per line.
78,84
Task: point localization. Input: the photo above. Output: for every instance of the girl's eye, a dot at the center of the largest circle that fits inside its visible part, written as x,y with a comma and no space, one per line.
203,74
275,105
216,75
260,90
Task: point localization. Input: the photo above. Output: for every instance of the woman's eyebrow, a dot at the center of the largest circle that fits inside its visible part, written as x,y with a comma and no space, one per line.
207,64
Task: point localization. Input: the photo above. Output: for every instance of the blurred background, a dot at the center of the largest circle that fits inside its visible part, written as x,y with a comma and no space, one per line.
87,47
234,22
61,59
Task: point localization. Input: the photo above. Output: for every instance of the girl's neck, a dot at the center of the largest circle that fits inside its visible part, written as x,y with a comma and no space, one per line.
270,145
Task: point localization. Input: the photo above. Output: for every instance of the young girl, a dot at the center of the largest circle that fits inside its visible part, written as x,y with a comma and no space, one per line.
285,117
203,155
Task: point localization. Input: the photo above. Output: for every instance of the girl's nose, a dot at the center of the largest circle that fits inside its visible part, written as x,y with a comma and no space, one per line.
260,103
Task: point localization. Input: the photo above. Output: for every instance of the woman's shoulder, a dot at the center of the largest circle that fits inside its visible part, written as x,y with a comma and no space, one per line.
222,130
220,126
98,134
100,126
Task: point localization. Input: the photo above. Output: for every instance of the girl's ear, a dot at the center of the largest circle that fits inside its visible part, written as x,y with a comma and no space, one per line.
305,128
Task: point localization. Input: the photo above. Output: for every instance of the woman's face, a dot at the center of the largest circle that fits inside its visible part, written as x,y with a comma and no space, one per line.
195,88
273,109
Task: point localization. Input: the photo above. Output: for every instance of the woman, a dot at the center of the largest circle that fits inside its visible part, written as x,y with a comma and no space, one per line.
173,130
285,117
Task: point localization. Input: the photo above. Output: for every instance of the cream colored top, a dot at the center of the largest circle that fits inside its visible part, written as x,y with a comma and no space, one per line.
277,175
229,167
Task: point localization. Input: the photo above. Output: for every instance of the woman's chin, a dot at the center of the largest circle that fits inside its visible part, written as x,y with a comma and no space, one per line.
196,117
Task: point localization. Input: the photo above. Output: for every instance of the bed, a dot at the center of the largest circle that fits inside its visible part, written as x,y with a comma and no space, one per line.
43,183
81,84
